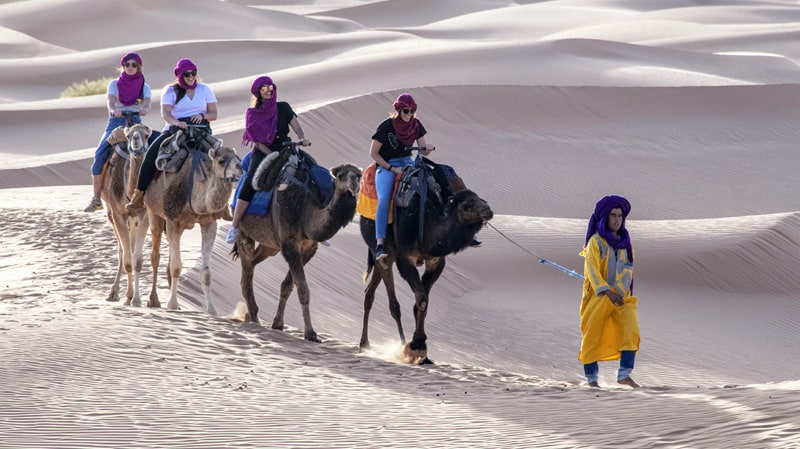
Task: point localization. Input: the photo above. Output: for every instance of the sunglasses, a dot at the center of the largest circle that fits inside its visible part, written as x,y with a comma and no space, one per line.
189,73
269,87
409,111
135,65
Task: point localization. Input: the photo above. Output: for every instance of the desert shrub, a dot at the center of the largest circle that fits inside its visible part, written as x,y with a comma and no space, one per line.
87,87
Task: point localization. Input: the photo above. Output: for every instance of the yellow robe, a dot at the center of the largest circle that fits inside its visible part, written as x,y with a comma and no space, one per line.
607,329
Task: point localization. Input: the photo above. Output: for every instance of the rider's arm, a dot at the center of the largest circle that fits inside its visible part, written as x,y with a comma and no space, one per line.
298,129
374,153
166,114
428,147
144,108
211,112
111,102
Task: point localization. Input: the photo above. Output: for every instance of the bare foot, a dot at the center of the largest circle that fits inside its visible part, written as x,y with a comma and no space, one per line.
629,382
594,384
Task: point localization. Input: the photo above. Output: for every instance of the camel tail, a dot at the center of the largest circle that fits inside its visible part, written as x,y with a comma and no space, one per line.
370,266
234,252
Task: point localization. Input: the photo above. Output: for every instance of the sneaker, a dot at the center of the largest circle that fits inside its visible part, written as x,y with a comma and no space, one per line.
629,382
232,234
475,243
380,253
325,243
94,205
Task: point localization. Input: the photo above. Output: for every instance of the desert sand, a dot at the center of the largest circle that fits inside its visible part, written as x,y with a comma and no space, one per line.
687,108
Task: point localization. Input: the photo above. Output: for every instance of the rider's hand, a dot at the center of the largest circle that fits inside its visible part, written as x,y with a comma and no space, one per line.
305,142
428,149
143,111
197,118
181,125
117,113
615,297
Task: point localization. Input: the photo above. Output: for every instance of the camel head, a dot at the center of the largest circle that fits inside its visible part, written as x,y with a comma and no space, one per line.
226,165
470,208
347,177
137,136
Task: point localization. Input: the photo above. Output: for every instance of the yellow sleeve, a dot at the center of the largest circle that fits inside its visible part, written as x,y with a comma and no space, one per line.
595,266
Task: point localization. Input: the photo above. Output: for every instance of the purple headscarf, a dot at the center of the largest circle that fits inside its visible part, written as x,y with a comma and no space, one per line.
261,124
597,223
129,87
407,132
184,65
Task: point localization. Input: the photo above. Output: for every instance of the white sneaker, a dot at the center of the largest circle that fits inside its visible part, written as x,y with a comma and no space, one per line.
94,205
325,243
232,234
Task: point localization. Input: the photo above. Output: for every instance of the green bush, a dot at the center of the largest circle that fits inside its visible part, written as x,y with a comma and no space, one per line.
86,87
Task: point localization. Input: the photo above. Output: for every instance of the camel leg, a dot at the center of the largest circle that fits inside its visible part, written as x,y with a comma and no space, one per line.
369,298
417,350
287,285
245,249
394,304
138,233
209,232
296,261
156,231
175,265
123,233
113,295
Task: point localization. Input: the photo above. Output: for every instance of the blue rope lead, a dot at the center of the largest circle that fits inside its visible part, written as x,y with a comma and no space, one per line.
572,273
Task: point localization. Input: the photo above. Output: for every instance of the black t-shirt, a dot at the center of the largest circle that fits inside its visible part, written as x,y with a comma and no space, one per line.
285,115
391,147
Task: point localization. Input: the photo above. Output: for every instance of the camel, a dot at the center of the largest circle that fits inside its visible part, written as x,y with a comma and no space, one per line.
297,221
197,193
447,229
130,227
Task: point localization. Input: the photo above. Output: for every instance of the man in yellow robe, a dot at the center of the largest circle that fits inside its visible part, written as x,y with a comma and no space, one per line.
609,321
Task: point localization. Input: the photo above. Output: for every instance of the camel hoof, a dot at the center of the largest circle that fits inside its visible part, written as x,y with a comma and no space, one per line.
415,356
312,337
112,297
154,304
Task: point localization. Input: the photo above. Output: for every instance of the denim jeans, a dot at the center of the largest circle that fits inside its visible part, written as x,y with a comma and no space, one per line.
384,185
626,360
103,148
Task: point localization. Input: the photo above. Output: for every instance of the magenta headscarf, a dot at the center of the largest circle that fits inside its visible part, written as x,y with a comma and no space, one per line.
129,87
185,65
597,223
407,132
261,124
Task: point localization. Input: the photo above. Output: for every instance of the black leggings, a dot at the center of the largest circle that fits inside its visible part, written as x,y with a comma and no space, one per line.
247,191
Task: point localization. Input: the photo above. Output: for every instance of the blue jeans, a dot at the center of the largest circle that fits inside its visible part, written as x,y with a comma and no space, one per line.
103,148
384,184
625,367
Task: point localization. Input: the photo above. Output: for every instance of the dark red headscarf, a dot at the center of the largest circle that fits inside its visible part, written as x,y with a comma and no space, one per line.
129,87
261,124
407,132
597,223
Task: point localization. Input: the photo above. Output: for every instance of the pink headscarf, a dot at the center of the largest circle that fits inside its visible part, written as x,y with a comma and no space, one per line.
407,132
129,87
184,65
261,124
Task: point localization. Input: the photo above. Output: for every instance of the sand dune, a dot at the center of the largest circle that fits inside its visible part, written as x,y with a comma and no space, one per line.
687,108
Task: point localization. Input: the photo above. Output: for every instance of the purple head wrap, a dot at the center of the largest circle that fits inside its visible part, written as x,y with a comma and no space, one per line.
261,124
184,65
405,101
129,87
407,132
597,223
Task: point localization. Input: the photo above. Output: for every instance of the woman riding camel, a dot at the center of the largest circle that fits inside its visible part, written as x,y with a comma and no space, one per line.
185,101
126,94
388,149
266,128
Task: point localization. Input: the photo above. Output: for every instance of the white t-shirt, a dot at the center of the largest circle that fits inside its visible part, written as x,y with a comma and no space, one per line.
188,107
113,90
